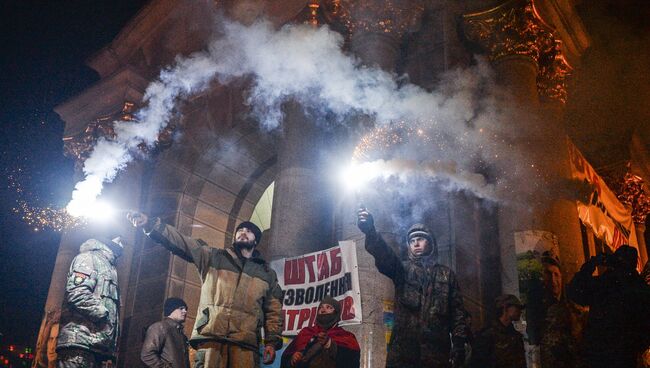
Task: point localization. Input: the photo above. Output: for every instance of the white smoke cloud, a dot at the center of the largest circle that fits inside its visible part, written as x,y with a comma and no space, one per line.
448,174
309,65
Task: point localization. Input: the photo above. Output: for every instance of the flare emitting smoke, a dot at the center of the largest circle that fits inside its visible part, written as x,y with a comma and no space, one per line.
296,62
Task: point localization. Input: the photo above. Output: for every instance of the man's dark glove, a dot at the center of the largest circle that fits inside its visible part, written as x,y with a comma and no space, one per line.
365,222
590,266
458,352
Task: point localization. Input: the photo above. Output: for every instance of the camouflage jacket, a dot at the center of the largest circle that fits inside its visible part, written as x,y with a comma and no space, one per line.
237,298
498,346
90,313
428,307
561,334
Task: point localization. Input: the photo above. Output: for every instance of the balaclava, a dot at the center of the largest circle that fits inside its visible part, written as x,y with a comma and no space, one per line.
327,321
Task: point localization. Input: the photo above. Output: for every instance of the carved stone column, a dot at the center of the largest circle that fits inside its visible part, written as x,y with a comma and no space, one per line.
375,29
632,193
301,220
524,53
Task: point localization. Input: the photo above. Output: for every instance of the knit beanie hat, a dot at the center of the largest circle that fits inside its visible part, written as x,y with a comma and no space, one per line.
253,228
171,304
424,232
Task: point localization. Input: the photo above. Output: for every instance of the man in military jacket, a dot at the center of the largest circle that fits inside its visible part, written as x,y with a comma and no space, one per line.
428,303
239,295
562,320
500,345
89,325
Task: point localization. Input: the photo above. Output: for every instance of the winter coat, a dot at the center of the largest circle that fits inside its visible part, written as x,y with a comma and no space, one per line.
238,296
618,327
428,307
90,313
344,351
562,328
498,346
165,346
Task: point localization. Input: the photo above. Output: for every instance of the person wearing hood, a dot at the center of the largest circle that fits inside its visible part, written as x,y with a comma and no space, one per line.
239,295
89,325
430,317
324,345
618,327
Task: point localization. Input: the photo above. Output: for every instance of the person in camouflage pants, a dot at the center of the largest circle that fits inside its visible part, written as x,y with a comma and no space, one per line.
89,325
428,303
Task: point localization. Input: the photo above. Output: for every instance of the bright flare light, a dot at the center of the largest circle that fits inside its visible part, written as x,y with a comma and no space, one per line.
99,211
356,175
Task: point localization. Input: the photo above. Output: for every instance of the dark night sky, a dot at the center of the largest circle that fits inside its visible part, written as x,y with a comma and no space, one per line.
44,46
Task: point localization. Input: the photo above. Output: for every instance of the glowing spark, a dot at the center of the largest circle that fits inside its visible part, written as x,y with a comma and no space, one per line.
41,218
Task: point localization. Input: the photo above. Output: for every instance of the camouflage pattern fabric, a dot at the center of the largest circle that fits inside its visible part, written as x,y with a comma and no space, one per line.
79,358
428,308
90,313
498,346
560,335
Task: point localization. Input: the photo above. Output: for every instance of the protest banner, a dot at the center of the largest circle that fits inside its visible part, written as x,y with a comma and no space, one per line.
307,278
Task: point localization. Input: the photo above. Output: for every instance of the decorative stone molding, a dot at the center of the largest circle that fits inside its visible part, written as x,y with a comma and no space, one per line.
632,193
515,28
80,146
554,73
389,17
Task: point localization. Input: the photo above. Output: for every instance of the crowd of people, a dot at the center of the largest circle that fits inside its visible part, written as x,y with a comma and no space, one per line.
240,296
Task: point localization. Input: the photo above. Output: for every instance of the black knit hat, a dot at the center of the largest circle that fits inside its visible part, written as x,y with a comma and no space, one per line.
253,228
171,304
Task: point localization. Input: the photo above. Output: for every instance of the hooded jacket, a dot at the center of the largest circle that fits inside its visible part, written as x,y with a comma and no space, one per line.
238,297
428,306
90,314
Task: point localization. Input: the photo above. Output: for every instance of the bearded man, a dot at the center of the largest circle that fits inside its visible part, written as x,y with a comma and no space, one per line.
239,294
430,319
324,345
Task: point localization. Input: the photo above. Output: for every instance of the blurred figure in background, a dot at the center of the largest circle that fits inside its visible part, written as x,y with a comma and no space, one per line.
618,327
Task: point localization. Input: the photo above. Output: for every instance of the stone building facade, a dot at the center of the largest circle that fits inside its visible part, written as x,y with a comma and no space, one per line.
213,163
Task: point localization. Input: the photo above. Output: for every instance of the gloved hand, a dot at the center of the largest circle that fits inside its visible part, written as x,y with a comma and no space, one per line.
365,222
458,352
590,265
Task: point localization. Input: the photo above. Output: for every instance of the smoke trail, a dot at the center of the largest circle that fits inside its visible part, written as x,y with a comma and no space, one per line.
447,174
306,64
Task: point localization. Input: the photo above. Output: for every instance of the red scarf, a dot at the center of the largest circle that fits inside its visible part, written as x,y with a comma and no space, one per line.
340,336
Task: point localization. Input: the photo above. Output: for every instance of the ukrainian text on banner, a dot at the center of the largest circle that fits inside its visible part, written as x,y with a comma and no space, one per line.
603,213
306,279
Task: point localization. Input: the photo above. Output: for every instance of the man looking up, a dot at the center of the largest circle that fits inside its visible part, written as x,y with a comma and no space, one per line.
165,344
239,294
428,304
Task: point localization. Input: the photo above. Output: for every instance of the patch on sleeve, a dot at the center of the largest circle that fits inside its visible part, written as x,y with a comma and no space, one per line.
79,278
